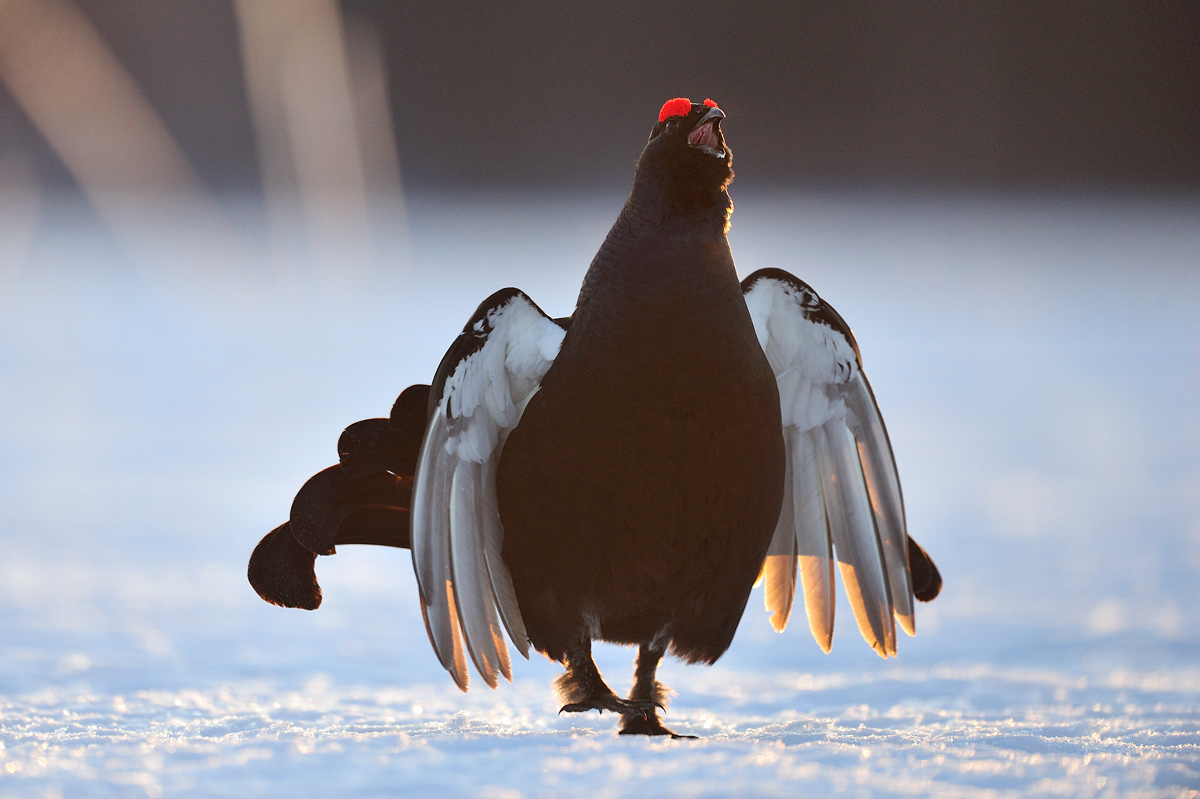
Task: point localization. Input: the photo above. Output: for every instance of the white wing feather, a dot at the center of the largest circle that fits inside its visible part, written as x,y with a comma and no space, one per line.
887,503
843,495
814,546
467,595
779,568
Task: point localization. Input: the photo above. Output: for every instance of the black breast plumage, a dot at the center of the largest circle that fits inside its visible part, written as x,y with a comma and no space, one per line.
641,488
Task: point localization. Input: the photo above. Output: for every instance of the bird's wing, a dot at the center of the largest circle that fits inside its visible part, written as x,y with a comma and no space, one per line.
842,500
479,393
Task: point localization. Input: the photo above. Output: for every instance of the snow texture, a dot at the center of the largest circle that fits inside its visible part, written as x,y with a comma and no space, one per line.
1038,364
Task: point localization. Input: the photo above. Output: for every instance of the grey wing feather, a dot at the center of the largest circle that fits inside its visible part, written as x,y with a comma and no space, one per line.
482,386
779,568
431,516
883,485
814,544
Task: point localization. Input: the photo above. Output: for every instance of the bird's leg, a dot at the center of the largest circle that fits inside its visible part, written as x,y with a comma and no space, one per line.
648,689
582,688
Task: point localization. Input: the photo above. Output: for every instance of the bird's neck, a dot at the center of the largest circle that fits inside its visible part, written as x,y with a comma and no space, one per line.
654,202
655,241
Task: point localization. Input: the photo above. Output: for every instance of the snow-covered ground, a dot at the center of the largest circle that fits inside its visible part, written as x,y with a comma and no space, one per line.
1038,363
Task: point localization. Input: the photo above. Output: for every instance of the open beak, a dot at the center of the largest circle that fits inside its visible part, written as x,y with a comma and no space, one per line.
706,136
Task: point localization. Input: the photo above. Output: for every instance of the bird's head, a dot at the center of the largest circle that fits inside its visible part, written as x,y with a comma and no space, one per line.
687,156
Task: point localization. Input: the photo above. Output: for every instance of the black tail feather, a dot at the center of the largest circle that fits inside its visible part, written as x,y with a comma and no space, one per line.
329,497
927,580
370,447
281,571
363,500
393,444
377,524
410,412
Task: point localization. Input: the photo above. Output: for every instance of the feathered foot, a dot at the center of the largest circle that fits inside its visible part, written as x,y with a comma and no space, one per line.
582,688
648,689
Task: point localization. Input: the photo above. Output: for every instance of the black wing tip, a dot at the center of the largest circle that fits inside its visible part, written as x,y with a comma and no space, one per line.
926,579
495,300
478,327
281,571
474,335
499,298
823,312
773,273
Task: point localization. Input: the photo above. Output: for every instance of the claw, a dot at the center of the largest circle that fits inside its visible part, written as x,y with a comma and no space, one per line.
613,704
648,726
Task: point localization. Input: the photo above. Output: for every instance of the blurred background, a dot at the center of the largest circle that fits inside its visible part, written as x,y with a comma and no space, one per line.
304,118
482,95
229,228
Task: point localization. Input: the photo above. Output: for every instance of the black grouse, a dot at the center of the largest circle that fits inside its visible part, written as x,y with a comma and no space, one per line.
626,474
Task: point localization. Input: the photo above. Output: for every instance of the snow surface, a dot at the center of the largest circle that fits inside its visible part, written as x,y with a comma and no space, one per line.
1038,364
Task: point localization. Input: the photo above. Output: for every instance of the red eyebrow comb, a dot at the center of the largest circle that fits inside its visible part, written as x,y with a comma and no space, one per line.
677,107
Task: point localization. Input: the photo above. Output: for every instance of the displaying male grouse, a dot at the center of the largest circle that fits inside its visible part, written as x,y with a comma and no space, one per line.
626,474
